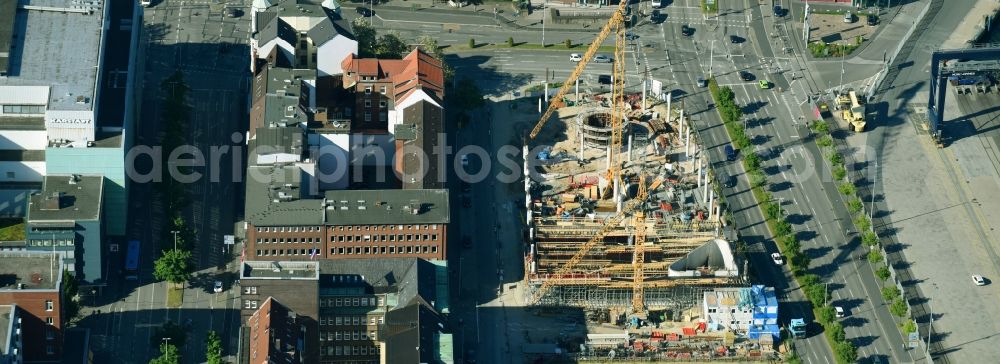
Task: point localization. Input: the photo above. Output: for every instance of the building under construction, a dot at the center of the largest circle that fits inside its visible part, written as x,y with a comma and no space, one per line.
684,252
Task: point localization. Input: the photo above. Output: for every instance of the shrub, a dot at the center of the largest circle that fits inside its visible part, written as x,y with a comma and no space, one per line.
773,210
820,126
862,223
782,228
898,307
510,41
835,158
846,352
890,293
854,205
809,279
824,141
836,331
883,272
569,43
472,43
757,178
825,314
816,294
791,243
874,256
909,326
846,188
839,172
869,238
752,160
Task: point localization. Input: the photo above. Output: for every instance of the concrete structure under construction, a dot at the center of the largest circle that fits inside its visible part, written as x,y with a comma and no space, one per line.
687,250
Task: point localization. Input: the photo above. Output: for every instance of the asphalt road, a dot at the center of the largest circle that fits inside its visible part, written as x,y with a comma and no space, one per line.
186,36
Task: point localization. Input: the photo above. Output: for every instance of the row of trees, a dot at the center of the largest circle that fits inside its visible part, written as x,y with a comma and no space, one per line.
170,336
870,239
177,237
781,229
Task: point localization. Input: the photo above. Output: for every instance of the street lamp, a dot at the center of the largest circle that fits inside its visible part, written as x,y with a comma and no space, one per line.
543,25
175,237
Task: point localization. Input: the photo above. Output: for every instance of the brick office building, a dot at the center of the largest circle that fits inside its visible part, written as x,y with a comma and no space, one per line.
33,282
351,311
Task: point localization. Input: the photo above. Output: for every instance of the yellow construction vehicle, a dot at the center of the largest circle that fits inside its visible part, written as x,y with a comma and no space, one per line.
856,114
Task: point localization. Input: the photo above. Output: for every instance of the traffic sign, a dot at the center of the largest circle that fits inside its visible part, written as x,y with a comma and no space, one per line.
229,239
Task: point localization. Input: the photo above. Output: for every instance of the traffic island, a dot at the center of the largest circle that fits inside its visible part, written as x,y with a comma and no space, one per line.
175,295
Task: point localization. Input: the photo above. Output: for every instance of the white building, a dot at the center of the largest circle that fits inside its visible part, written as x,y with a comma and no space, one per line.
302,35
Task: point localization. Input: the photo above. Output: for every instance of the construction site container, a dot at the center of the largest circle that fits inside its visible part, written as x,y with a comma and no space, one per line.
568,197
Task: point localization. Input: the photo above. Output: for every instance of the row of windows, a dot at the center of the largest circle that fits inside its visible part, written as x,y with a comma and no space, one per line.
338,350
368,89
348,301
381,104
346,335
24,109
50,242
297,229
288,240
407,249
289,229
250,304
265,252
385,237
350,320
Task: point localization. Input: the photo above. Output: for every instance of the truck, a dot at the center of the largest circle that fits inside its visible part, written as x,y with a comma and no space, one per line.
798,328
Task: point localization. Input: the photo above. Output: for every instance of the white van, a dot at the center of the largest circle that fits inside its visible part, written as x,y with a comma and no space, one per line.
145,3
657,3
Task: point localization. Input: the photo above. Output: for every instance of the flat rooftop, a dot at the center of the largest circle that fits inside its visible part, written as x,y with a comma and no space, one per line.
43,53
22,122
36,270
67,198
375,207
296,270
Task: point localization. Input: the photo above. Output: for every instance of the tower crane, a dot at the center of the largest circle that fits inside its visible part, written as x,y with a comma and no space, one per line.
639,254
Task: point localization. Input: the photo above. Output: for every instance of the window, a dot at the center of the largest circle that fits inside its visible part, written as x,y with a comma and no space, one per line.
371,334
339,302
381,302
49,321
382,89
10,174
48,305
381,104
339,335
355,349
23,109
357,301
322,320
356,336
339,350
372,320
340,320
50,335
368,103
356,320
368,90
250,304
50,350
381,320
364,349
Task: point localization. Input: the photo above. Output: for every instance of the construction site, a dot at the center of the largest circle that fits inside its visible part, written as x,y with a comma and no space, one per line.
625,225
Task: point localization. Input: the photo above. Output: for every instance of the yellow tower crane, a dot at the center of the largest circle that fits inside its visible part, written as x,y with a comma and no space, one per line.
639,256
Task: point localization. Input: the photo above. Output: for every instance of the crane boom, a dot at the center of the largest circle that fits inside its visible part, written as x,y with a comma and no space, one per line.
617,18
639,257
609,225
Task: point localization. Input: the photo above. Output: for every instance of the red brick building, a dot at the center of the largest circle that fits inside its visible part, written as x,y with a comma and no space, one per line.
33,282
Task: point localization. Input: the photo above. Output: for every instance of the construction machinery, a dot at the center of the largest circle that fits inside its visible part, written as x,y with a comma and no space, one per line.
855,115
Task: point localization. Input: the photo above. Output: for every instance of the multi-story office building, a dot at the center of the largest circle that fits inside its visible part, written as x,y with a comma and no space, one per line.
33,282
10,335
353,311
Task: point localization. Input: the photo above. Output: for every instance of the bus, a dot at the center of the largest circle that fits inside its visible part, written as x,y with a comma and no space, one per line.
132,261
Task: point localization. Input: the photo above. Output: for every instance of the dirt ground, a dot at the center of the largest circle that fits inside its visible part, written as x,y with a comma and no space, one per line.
830,28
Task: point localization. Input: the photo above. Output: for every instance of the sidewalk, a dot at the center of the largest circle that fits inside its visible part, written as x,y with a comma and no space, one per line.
506,16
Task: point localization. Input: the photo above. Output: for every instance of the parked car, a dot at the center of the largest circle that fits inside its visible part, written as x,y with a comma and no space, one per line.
872,20
777,258
778,11
602,58
839,311
746,76
686,30
217,288
735,39
702,82
233,12
848,17
764,84
656,17
604,79
631,36
575,57
979,280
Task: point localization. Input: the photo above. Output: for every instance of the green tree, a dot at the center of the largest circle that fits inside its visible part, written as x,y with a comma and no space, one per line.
874,256
472,43
752,160
820,127
782,228
839,172
837,332
791,243
366,37
169,331
773,210
168,355
909,326
846,352
826,314
862,223
869,238
510,41
835,158
816,294
213,350
854,205
569,44
898,307
824,141
466,95
846,189
390,45
883,272
185,234
757,178
70,289
890,293
173,266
